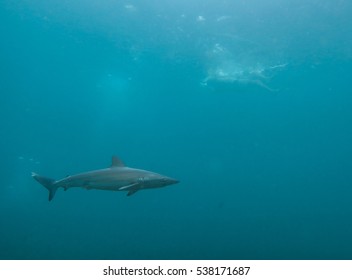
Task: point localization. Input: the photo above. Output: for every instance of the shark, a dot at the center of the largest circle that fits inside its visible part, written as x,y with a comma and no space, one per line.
118,177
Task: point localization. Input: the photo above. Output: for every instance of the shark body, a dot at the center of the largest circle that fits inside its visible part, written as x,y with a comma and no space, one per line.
118,177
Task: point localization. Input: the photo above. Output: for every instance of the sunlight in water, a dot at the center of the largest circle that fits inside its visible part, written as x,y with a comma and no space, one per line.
223,67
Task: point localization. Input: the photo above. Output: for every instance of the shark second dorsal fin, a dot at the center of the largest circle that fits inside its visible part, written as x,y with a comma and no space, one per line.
116,162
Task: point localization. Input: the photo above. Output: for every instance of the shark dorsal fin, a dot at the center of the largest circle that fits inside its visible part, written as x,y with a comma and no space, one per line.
116,162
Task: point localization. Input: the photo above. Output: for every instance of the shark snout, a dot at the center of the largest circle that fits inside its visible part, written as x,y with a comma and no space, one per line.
172,181
166,181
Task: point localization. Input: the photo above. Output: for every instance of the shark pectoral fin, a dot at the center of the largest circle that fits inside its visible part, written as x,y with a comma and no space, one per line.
128,187
132,192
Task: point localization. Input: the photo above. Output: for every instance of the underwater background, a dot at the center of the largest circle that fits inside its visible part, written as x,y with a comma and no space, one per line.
247,103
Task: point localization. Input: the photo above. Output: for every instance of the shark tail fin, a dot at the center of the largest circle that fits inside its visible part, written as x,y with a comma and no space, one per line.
48,183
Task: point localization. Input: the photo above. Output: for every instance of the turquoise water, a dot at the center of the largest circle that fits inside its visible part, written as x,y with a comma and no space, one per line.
247,103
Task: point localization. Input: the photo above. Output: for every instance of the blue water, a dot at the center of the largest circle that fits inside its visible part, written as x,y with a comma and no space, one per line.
247,103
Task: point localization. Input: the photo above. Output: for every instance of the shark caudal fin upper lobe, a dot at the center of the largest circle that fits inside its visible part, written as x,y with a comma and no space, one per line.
48,183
